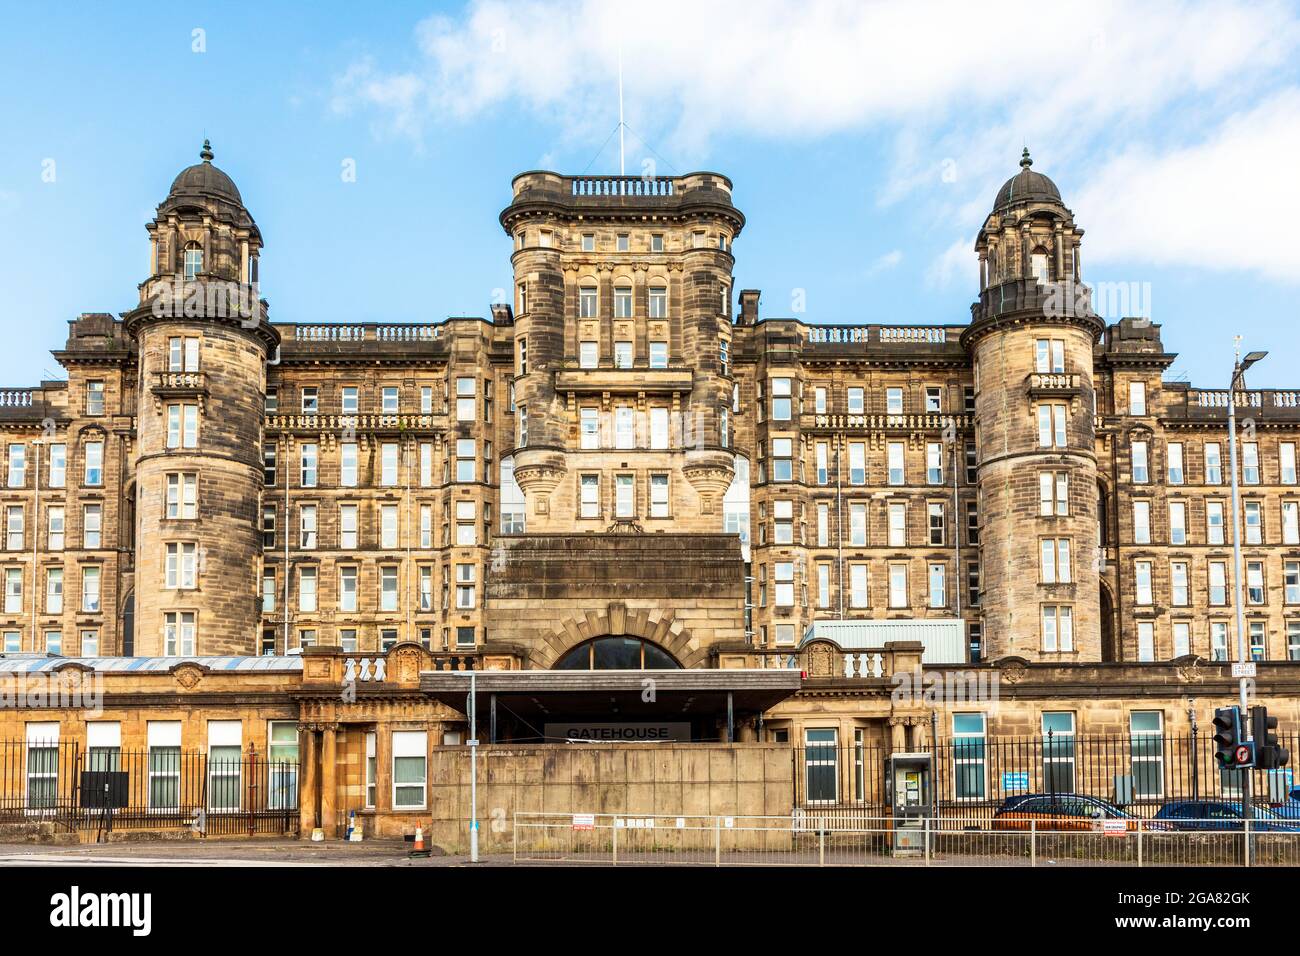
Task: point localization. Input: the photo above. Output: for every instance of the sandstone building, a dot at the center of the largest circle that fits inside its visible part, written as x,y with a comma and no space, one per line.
628,467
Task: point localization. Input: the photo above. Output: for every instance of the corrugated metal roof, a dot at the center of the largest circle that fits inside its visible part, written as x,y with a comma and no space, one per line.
944,639
30,663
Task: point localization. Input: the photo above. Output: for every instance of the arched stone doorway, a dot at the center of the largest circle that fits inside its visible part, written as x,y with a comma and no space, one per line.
1109,652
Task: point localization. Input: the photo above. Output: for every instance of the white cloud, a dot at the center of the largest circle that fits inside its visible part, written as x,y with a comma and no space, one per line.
958,263
1229,202
886,262
694,71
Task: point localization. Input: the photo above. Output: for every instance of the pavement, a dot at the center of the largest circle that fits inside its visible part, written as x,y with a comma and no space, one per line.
216,853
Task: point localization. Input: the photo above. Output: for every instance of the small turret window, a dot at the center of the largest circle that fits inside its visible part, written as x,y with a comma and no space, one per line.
193,260
1038,265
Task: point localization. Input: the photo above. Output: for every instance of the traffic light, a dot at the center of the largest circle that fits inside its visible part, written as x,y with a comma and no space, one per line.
1269,754
1227,736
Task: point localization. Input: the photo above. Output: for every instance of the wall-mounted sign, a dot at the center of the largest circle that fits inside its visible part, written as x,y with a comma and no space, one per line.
610,732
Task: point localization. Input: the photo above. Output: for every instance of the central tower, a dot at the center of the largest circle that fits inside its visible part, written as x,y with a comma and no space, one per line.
1031,338
623,378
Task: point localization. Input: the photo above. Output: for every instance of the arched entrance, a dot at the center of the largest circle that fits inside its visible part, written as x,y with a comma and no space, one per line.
1109,652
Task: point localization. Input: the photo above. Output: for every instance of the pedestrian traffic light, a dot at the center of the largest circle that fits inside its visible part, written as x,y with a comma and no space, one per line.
1269,754
1227,736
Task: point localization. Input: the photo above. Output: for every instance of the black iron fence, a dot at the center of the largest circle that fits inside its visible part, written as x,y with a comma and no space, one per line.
974,776
162,788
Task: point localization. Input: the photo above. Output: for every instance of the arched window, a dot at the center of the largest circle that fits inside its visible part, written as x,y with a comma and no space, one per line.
623,300
1039,265
617,654
193,260
587,298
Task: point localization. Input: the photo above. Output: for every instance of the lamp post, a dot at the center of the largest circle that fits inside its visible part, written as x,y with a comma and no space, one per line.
1238,369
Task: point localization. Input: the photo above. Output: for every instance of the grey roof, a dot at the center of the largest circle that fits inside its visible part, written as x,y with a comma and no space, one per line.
204,179
1026,186
32,663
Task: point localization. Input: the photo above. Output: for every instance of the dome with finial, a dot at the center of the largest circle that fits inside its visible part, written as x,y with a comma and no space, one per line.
1026,186
205,180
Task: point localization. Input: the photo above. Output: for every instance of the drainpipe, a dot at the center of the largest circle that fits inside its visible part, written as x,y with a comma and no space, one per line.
36,538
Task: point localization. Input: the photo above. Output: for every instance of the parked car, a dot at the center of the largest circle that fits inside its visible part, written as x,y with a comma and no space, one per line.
1058,811
1290,809
1221,815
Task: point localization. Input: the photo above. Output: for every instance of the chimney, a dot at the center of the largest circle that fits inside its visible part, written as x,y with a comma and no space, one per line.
502,313
749,306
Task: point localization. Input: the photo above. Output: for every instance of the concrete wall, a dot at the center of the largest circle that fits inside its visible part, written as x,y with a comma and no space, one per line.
672,779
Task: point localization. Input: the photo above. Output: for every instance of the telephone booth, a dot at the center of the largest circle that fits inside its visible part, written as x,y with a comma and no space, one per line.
911,801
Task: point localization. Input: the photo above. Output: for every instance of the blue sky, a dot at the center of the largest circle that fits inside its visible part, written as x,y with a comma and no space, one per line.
866,143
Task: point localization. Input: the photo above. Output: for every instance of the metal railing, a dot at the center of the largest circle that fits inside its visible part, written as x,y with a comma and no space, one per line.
973,777
807,840
159,789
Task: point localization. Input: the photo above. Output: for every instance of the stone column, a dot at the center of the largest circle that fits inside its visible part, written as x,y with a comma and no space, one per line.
383,768
310,785
897,735
328,794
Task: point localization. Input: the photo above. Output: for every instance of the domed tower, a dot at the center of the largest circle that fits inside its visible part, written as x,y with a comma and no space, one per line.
1031,338
204,340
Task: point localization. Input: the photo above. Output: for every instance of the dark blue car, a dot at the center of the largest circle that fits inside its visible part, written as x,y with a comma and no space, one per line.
1221,815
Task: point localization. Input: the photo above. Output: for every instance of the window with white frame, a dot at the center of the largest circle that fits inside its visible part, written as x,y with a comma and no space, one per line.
94,471
178,633
1214,522
1250,463
898,585
1213,464
1177,522
90,577
1218,579
895,453
307,589
1141,522
1051,425
1058,627
181,563
388,587
858,594
970,775
225,750
1142,583
465,577
1137,398
1180,594
897,524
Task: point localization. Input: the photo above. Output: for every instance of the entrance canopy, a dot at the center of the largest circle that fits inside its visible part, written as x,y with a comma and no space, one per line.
537,697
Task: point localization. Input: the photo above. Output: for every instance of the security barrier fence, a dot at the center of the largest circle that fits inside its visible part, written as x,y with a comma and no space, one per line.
974,776
809,839
102,789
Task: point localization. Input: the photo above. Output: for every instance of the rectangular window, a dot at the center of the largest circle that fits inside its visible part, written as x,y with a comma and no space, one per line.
1051,426
1286,462
1180,590
622,355
1139,454
823,524
181,561
1137,398
466,524
1181,635
893,401
1291,522
658,298
59,465
970,776
858,594
310,403
94,473
1291,582
1058,627
14,527
55,528
348,402
857,463
624,496
938,588
823,585
783,578
821,766
1213,464
1255,633
1218,571
1254,518
409,769
1174,463
182,426
1250,463
1254,582
897,524
426,526
855,401
347,589
54,591
898,585
895,453
182,492
933,398
178,633
935,513
858,524
388,527
590,503
782,462
90,589
1218,640
95,398
659,428
268,592
934,463
308,471
268,465
781,399
972,523
783,518
822,451
1054,560
624,427
1141,522
388,588
390,399
1142,582
465,586
307,589
91,518
307,527
466,460
17,466
1049,355
1147,752
659,496
268,526
1214,522
1177,522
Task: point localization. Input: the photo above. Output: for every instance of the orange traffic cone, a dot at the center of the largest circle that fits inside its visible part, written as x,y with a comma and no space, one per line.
420,849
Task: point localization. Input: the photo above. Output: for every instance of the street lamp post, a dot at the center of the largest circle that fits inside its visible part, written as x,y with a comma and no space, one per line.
1238,369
